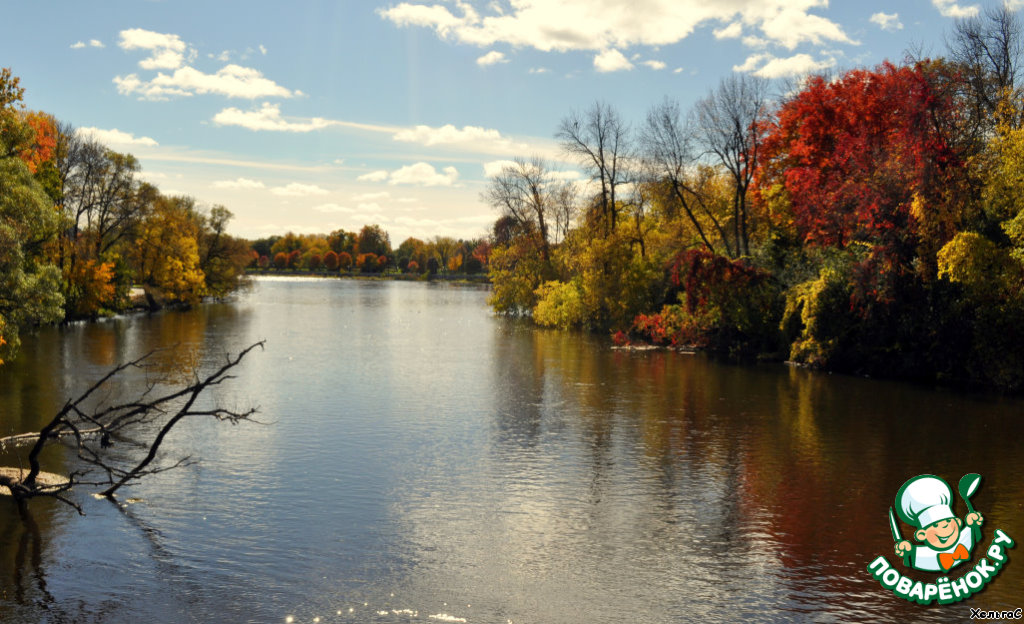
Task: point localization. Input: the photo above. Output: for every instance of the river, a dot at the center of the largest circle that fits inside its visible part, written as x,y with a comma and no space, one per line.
422,460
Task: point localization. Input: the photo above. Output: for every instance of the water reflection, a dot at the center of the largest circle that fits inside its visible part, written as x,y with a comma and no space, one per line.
428,458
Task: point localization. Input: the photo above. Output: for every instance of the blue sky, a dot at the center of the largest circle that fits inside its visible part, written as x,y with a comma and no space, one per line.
313,116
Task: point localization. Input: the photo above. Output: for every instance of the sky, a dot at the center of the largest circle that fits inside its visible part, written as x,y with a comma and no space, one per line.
310,116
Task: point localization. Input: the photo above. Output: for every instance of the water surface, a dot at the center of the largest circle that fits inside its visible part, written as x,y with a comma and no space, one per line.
423,458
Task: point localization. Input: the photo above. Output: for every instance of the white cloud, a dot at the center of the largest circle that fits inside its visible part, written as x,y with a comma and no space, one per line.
370,196
494,167
539,70
446,135
263,49
231,80
116,137
732,31
950,8
296,189
887,21
166,51
238,183
93,43
332,208
491,58
374,176
677,70
656,65
562,25
268,117
611,60
423,174
768,66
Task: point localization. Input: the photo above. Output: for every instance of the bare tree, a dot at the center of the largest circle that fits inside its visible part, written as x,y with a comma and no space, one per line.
92,431
670,156
528,192
987,49
729,126
601,140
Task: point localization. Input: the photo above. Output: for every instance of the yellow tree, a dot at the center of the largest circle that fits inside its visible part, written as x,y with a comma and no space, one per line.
166,253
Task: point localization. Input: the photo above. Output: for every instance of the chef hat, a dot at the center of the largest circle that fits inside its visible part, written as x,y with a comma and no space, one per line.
924,500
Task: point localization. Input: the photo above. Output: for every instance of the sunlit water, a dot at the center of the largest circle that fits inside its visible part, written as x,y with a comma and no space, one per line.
422,460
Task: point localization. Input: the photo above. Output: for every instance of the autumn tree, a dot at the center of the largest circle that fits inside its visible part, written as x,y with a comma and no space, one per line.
373,239
601,141
729,124
863,159
30,290
331,261
223,258
165,257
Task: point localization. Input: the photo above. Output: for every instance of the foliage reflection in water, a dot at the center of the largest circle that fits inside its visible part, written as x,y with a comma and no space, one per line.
423,459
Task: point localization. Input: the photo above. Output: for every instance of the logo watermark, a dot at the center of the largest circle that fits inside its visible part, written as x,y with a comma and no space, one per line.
945,542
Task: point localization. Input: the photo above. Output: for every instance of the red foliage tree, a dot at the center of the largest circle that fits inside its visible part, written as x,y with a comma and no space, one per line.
382,262
344,261
294,259
280,260
331,261
412,267
264,262
855,154
314,262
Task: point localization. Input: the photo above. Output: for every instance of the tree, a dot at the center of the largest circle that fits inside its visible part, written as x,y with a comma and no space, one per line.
987,50
373,239
864,158
30,291
223,258
280,260
93,431
601,141
730,121
166,254
669,153
344,261
527,193
331,261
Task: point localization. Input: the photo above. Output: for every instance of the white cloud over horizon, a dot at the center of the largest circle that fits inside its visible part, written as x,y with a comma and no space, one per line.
766,65
296,189
233,81
238,183
116,137
417,174
608,24
268,117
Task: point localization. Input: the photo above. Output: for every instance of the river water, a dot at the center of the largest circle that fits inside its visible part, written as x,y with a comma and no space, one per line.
422,460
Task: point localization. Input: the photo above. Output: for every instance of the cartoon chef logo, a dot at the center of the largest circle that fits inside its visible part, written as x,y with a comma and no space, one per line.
926,503
944,542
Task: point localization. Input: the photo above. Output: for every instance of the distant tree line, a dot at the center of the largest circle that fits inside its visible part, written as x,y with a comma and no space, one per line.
369,251
870,221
